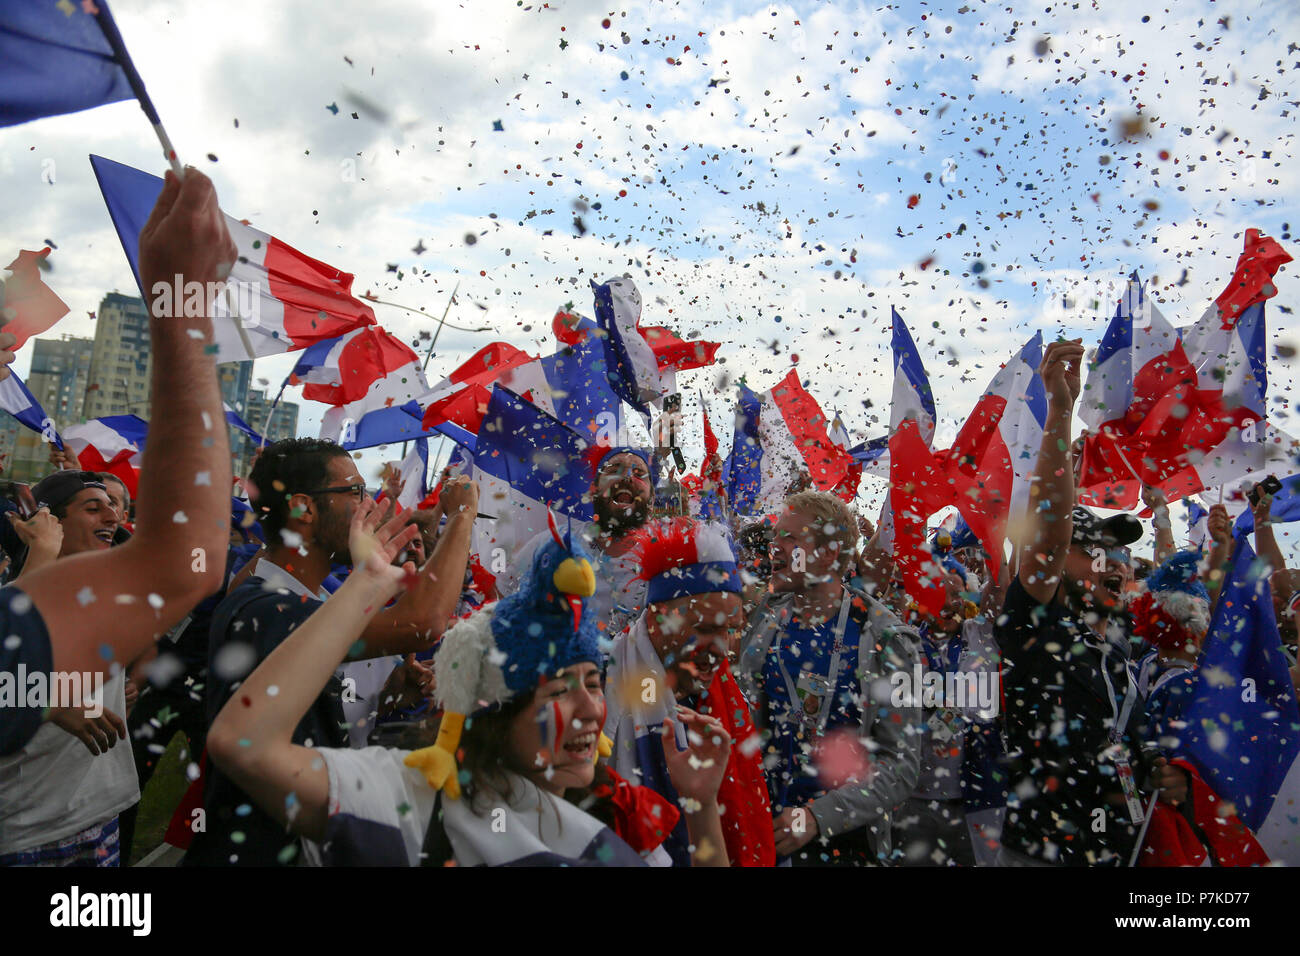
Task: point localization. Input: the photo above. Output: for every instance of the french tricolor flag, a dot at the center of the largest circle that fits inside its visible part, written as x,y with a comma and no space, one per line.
276,299
20,403
1242,726
912,398
360,373
779,435
114,443
632,368
462,397
1181,415
985,475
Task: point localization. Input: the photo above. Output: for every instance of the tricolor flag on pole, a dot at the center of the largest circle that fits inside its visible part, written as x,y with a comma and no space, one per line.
780,438
631,366
275,300
1242,724
19,402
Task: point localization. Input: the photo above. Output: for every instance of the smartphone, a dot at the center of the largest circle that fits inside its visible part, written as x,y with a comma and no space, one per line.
1269,486
21,495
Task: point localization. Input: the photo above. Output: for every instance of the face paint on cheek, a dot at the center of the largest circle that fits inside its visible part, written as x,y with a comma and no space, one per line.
557,729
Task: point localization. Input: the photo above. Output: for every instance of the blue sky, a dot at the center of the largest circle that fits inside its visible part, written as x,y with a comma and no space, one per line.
768,170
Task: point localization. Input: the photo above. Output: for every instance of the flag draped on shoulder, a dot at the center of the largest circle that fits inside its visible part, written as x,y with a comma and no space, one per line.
276,299
55,59
1242,725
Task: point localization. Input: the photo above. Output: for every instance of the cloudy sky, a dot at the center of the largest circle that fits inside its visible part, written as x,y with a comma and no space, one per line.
772,176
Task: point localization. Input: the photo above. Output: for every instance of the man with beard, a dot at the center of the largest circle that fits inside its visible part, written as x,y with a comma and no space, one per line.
1073,717
621,495
305,492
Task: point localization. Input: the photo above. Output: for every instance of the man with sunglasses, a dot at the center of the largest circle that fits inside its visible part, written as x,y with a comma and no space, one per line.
305,492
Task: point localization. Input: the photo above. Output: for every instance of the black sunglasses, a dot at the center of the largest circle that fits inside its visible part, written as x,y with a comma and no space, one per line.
358,490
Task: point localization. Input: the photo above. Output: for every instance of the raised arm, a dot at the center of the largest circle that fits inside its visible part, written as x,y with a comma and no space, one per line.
1265,541
1154,499
1051,493
252,738
1219,529
111,605
420,616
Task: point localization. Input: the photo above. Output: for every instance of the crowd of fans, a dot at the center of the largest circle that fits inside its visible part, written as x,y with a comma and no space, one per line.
641,689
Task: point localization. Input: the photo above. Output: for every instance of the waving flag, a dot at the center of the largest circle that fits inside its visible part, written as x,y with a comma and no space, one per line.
1243,725
912,398
632,368
276,299
462,397
114,443
237,423
984,474
670,352
780,437
54,59
847,488
18,402
33,305
414,470
1285,507
1181,416
360,373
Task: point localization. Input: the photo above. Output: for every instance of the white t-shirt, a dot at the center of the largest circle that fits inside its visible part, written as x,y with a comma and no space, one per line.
380,810
54,787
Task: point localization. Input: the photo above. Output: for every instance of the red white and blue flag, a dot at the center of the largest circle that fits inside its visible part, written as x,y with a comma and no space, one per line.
780,436
985,474
276,298
631,365
114,443
22,405
1242,725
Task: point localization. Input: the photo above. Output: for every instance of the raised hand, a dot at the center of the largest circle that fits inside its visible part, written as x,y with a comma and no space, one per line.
1060,371
1219,525
373,544
186,235
697,771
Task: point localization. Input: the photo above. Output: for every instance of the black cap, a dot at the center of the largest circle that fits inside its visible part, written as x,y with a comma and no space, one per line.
1115,531
62,486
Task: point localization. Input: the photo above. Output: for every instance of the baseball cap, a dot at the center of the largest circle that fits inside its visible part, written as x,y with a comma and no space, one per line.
62,486
1115,531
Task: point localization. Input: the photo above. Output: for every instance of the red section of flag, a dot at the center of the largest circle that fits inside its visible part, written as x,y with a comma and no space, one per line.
1172,841
672,352
364,360
31,306
1252,280
710,439
466,406
317,298
827,462
120,465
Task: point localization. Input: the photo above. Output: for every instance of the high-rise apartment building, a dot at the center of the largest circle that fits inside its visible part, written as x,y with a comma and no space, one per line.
58,379
119,369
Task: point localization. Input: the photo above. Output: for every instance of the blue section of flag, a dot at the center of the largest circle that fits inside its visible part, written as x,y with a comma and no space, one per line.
1119,334
1036,394
742,472
54,59
131,427
1243,724
537,455
1253,332
129,195
619,371
579,381
237,423
388,426
869,451
22,405
908,361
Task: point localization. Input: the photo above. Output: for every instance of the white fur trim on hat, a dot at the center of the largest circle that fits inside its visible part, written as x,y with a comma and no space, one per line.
468,666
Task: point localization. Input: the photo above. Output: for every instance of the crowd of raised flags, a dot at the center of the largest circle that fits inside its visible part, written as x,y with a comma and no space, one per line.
1181,410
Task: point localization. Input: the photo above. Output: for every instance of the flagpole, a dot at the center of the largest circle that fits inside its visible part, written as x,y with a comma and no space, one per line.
436,332
123,58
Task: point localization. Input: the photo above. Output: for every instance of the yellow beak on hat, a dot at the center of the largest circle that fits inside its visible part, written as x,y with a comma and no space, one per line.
575,576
